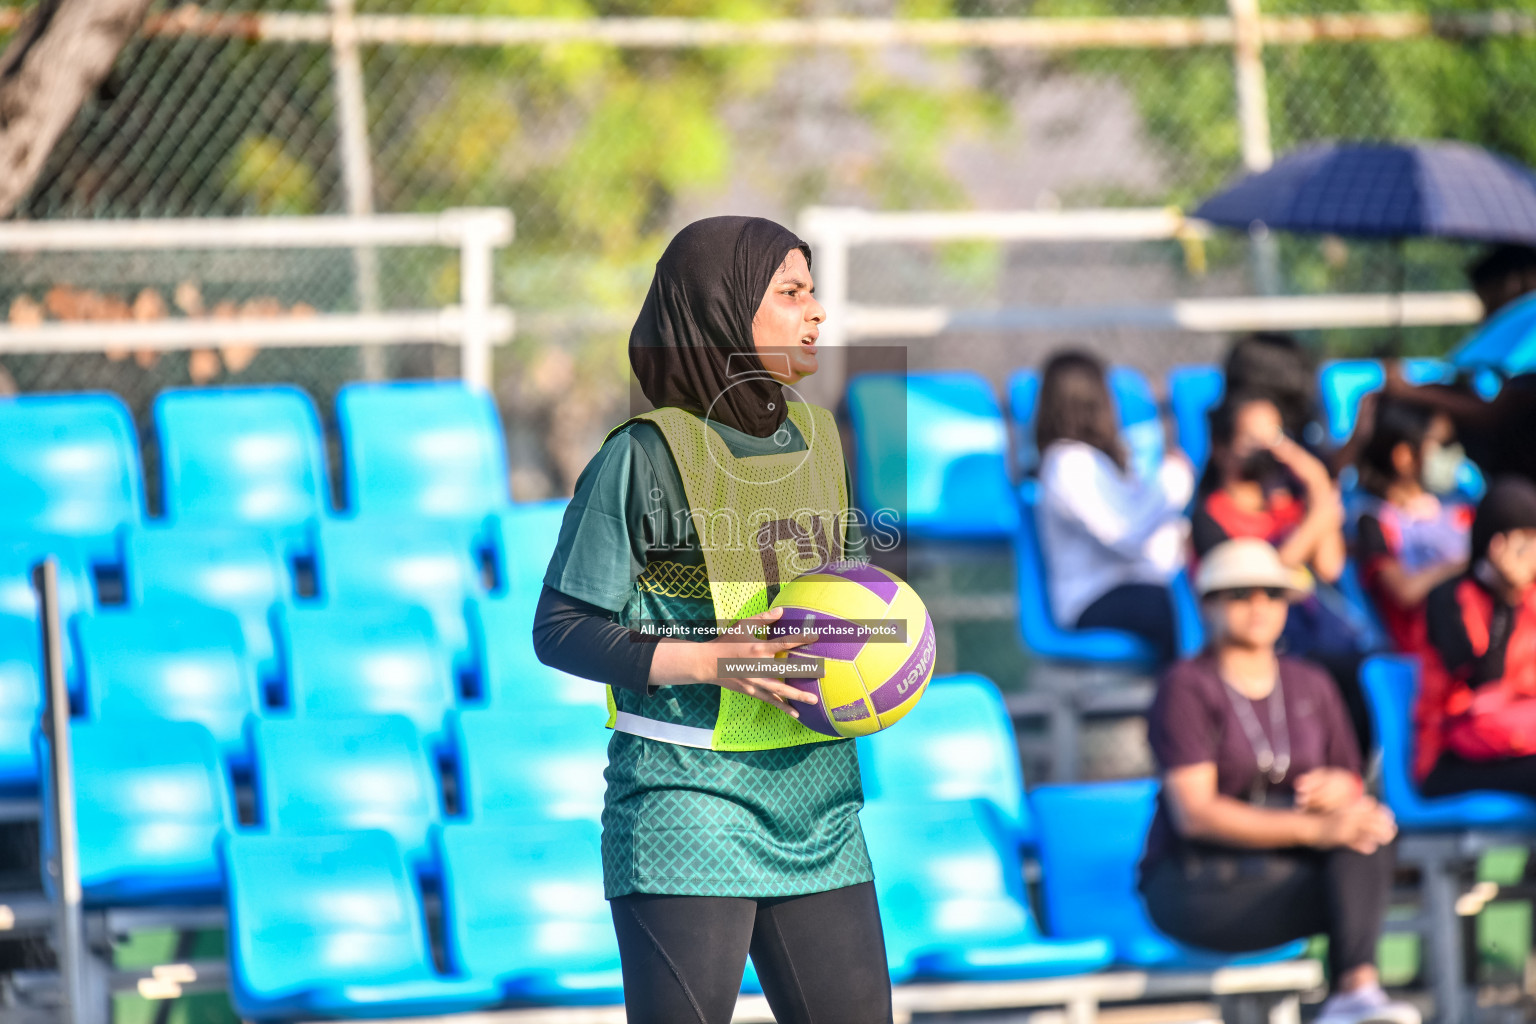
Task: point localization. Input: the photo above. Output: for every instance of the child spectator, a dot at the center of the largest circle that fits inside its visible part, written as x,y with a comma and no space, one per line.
1112,540
1476,717
1410,539
1262,484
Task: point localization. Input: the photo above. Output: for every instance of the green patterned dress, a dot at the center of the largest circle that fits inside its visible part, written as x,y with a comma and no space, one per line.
681,820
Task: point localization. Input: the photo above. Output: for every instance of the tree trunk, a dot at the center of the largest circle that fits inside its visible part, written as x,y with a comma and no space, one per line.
60,55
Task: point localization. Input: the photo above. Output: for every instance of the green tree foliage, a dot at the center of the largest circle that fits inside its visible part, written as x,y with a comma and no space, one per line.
1475,89
595,146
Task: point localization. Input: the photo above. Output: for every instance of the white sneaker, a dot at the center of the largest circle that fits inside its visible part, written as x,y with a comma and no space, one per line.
1366,1006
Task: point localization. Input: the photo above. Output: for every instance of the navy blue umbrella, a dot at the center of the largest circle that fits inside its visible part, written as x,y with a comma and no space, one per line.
1391,191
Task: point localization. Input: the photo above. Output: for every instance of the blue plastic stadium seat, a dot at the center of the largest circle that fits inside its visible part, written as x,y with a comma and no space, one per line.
501,625
1344,382
962,747
932,447
322,775
512,676
1193,391
409,563
21,702
18,597
243,456
1037,623
524,538
175,661
1141,422
1391,685
332,926
1023,396
69,467
518,765
239,571
952,901
524,907
423,449
151,802
1091,840
354,661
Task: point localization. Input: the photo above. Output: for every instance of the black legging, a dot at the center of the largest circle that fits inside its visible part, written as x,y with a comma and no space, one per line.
821,957
1455,774
1304,892
1145,609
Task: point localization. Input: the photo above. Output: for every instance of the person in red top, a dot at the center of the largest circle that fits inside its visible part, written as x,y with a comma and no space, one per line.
1260,483
1475,722
1412,534
1263,485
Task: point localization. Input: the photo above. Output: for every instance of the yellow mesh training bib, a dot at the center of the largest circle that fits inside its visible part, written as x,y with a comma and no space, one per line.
761,521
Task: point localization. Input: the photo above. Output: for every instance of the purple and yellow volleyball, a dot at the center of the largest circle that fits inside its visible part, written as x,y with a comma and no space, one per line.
871,677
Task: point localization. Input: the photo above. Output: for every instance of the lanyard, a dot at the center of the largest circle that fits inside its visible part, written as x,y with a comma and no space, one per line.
1273,763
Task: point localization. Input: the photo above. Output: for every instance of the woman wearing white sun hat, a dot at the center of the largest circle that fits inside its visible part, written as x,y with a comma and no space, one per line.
1264,832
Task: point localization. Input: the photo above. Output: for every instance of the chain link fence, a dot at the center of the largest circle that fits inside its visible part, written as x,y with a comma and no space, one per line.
603,146
602,150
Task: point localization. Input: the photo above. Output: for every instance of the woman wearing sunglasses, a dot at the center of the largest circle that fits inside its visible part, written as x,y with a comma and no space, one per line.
1264,832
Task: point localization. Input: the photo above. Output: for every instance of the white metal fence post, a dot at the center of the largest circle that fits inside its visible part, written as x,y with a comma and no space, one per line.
64,865
822,228
356,165
482,233
1253,127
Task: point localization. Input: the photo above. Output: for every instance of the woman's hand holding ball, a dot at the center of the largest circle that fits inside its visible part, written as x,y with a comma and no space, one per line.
678,664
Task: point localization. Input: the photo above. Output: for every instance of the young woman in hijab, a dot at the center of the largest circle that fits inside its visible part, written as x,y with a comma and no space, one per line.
729,827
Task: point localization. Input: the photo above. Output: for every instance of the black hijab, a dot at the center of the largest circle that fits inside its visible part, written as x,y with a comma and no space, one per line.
698,315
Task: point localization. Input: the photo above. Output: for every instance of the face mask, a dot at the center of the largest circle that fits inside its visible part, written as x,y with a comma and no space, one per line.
1441,467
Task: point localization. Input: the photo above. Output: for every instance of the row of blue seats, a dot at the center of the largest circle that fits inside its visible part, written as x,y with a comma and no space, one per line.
947,821
188,662
401,622
359,562
946,818
333,925
932,445
935,446
356,765
153,796
249,457
352,834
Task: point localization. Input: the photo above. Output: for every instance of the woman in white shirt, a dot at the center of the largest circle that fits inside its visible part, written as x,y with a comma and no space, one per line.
1112,540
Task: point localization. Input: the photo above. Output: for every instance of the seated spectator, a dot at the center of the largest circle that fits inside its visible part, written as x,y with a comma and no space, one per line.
1476,715
1264,832
1112,540
1410,538
1262,484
